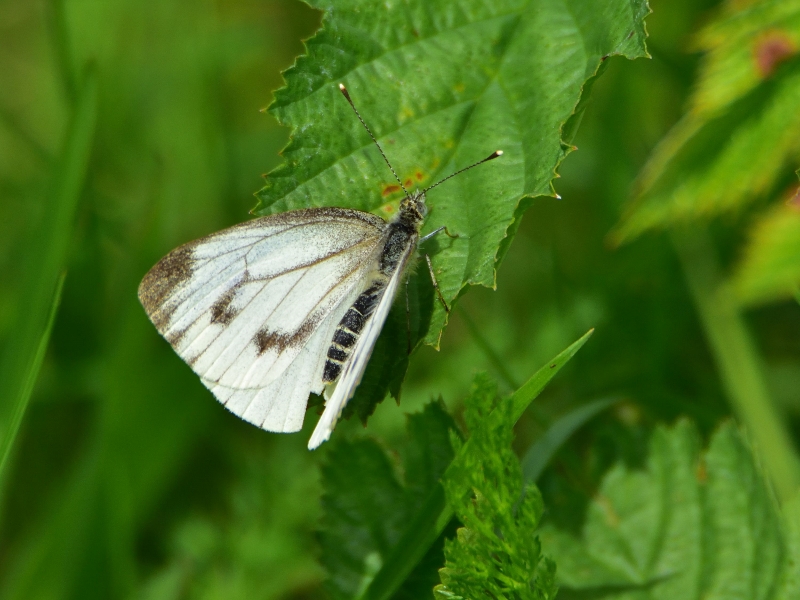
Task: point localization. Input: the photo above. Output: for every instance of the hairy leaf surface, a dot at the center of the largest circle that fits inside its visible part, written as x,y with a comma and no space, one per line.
496,554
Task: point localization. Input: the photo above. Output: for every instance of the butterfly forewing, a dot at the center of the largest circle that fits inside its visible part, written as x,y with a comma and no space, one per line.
253,308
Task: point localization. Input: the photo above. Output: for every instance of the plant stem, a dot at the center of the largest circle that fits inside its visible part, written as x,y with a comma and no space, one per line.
490,353
738,361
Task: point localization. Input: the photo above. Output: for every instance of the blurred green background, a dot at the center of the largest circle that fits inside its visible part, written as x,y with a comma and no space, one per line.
126,131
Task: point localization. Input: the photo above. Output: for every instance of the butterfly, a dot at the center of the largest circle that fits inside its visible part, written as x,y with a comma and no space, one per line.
279,307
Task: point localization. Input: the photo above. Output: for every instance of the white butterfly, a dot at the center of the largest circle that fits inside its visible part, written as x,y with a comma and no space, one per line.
271,310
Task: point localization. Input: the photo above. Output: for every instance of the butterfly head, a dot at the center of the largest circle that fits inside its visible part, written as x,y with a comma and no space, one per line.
413,207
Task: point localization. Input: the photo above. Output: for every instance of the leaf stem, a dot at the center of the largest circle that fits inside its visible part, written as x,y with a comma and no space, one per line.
737,360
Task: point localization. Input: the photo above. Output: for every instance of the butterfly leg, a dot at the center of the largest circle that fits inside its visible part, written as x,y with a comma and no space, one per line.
436,283
433,233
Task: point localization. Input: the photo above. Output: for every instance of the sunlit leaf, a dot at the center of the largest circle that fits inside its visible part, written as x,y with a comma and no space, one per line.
741,134
770,268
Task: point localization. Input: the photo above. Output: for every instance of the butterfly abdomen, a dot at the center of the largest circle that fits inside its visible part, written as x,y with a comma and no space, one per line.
400,233
349,328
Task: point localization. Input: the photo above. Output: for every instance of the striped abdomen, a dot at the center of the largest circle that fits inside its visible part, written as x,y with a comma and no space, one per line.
350,327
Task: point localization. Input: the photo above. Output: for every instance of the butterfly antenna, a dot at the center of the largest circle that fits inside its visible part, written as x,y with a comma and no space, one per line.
386,160
492,156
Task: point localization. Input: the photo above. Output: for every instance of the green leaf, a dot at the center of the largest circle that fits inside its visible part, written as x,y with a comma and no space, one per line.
435,514
367,508
740,134
770,268
443,84
690,525
496,553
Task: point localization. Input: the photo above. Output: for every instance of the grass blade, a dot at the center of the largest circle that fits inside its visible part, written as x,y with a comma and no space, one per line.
541,452
28,379
46,260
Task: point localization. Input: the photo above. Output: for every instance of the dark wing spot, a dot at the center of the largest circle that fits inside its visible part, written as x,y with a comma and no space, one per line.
272,340
222,312
161,282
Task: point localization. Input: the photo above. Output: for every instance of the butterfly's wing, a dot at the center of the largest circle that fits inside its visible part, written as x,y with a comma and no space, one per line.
252,309
353,369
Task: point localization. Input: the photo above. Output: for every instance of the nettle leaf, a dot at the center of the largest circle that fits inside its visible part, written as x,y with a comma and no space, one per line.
496,553
442,85
691,525
770,268
420,544
367,504
740,139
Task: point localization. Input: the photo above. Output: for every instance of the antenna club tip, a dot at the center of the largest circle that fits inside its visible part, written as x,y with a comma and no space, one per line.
345,93
498,152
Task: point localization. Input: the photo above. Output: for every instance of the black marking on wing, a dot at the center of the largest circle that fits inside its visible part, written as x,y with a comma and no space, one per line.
161,281
273,340
221,311
266,339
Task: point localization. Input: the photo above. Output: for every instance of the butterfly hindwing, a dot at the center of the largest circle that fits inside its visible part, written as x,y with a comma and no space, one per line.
252,309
